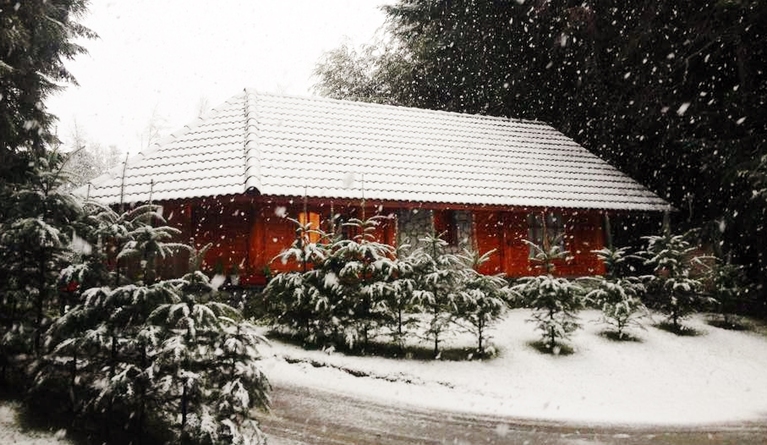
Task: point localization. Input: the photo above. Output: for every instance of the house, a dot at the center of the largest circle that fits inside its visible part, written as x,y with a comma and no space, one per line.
232,177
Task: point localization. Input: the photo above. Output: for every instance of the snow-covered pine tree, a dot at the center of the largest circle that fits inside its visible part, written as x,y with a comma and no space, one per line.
292,299
79,343
360,270
206,372
619,298
437,276
149,240
400,304
675,293
727,283
117,350
555,300
482,299
35,233
126,380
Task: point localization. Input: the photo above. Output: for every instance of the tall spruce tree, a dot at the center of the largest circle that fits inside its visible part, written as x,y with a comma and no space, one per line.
36,37
40,221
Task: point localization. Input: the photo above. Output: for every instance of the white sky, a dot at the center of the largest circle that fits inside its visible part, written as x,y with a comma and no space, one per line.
166,57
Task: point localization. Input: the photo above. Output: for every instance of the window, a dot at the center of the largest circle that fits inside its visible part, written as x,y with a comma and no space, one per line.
545,229
313,221
453,226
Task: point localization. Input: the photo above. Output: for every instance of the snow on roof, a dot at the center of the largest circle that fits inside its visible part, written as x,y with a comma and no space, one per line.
287,146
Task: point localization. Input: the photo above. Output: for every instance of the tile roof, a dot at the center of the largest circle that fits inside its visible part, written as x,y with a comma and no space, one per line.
284,146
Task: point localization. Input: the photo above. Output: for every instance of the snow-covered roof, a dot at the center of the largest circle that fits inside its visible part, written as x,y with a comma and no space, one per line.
288,146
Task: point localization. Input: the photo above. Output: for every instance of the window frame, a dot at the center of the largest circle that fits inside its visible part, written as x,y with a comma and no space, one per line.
549,224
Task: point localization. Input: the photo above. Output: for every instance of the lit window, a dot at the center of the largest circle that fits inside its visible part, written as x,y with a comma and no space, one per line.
313,220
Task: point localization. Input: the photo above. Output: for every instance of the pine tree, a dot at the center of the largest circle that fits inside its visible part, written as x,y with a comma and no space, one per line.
728,287
292,298
675,292
618,297
436,275
36,37
362,270
147,353
482,298
555,301
35,234
199,336
401,306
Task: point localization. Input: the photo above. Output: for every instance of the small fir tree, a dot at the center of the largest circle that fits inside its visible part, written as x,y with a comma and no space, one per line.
482,299
365,270
400,300
205,403
436,275
618,297
727,283
292,299
555,301
676,293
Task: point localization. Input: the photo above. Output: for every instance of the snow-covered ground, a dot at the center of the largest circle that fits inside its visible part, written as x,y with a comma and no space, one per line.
719,376
10,433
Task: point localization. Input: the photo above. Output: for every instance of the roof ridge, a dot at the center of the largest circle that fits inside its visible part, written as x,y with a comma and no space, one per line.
252,173
374,105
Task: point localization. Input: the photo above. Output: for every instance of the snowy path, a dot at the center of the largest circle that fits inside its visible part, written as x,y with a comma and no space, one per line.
663,380
310,416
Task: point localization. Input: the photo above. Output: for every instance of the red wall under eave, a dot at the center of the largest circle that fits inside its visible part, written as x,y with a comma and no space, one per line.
271,233
504,233
248,232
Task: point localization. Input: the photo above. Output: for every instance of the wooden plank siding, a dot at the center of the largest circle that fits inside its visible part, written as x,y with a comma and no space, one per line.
250,233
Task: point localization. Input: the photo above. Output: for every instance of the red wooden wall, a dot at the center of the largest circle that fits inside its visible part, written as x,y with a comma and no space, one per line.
272,232
505,233
250,232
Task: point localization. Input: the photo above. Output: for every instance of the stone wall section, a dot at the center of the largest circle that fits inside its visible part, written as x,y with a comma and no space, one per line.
414,224
463,223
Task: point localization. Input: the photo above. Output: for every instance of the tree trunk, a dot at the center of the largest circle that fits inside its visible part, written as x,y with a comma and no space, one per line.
113,357
142,398
552,331
73,383
435,329
40,303
479,335
184,407
400,336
